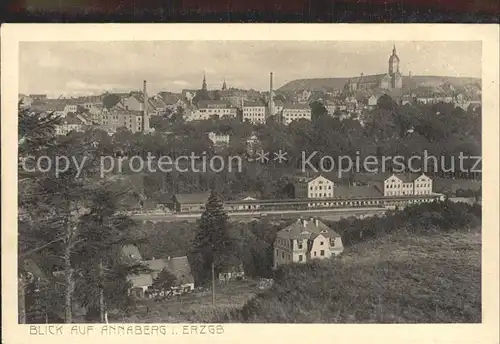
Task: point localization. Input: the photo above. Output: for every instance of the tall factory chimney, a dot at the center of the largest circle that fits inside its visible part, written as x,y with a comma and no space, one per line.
271,95
145,115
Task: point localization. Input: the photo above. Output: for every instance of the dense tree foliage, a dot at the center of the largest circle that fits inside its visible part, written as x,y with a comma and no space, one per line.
388,130
69,228
213,243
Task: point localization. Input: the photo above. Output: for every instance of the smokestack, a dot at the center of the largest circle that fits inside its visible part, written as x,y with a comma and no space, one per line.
145,117
271,95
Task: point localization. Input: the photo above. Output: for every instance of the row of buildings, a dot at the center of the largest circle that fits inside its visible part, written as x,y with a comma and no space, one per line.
399,184
134,110
319,191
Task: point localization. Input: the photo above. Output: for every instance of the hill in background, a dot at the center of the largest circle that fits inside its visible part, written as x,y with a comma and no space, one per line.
330,84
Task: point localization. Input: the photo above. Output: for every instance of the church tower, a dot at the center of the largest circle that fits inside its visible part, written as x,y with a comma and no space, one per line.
393,62
396,78
204,84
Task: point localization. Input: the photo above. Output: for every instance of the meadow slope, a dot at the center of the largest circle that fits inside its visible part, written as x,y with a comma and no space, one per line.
399,278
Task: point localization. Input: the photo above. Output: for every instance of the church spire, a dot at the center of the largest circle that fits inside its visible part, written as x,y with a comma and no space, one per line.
224,86
204,84
394,49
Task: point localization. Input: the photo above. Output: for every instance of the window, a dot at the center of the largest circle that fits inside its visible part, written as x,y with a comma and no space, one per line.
300,257
282,254
299,245
277,253
322,253
321,243
315,253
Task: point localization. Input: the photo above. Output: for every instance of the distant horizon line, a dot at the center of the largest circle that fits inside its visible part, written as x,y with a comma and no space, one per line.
125,89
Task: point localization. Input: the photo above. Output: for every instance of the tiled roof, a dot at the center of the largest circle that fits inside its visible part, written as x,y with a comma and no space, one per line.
193,198
298,230
406,177
72,118
178,266
141,280
170,98
253,104
296,106
48,105
343,191
207,103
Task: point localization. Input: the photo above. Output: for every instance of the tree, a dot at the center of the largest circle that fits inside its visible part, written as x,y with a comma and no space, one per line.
36,134
164,281
97,257
212,244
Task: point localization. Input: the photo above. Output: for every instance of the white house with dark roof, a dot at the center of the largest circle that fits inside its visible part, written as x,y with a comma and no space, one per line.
72,122
295,112
212,109
254,112
407,185
313,187
304,241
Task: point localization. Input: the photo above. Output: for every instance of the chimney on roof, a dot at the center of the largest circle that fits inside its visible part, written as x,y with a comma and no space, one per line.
316,222
305,223
168,258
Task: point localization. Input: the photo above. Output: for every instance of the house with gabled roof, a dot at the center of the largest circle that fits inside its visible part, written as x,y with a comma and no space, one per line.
313,187
178,266
72,122
142,282
406,184
294,112
305,240
190,203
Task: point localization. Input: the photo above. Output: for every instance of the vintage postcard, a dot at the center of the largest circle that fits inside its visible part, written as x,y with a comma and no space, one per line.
221,182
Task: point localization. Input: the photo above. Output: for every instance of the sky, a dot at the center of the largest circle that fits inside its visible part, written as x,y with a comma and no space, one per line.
79,68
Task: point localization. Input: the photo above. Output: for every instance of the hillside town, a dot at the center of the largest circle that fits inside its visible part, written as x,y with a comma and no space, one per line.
135,110
134,246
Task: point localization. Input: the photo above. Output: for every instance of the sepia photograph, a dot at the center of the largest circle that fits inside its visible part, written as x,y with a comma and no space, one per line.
249,181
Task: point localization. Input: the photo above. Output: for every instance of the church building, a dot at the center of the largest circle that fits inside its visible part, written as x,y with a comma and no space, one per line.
391,80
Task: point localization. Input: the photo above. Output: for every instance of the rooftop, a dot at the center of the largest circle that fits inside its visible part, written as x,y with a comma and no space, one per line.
247,103
178,266
212,103
343,191
193,198
307,229
296,106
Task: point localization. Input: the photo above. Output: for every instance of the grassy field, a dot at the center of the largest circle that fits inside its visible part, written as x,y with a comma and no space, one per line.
196,307
400,278
434,278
